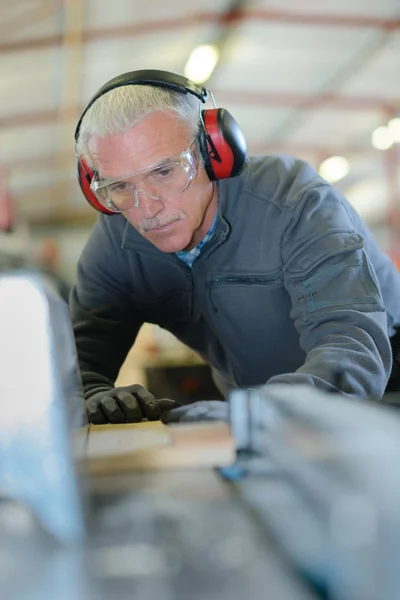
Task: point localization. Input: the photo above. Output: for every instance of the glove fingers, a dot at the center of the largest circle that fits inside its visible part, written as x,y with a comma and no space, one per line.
95,414
130,407
147,402
112,410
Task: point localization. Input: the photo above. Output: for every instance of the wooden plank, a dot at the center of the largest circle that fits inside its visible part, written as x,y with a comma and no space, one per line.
150,446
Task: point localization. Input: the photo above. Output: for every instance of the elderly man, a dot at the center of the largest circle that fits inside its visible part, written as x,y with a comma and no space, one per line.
257,264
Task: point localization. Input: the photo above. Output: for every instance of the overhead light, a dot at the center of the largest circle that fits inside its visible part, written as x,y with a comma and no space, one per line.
334,168
394,130
201,63
381,138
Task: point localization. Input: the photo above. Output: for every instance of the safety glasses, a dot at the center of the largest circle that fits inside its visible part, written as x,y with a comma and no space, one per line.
159,180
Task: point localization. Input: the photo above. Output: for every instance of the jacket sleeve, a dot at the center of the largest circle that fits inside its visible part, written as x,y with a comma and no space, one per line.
102,309
337,304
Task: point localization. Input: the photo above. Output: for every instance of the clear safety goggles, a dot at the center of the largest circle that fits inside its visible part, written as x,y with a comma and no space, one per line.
159,181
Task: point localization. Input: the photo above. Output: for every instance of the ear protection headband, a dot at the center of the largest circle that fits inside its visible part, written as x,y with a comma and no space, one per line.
222,143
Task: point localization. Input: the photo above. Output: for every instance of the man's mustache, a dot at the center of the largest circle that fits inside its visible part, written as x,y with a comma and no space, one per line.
149,224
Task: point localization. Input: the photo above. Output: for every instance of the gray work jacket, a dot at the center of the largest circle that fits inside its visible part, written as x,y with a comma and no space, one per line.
291,287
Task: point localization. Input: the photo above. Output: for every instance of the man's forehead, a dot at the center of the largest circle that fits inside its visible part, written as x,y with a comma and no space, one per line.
138,148
133,163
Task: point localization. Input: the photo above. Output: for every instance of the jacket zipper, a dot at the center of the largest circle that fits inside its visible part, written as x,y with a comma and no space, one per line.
268,280
229,279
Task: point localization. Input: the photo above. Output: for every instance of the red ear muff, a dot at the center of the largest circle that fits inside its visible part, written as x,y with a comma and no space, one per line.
222,144
85,176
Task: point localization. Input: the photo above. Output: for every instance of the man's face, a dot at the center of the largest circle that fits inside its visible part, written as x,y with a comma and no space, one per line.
173,221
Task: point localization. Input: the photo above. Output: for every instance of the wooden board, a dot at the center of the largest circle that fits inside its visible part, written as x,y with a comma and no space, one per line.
154,446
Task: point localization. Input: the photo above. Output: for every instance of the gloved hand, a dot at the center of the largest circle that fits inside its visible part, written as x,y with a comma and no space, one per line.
131,404
203,410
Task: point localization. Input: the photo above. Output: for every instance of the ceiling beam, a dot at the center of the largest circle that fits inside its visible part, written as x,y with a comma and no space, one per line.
40,117
232,17
328,100
322,19
67,218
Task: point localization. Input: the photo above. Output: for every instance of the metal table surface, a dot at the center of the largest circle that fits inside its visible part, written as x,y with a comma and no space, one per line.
170,535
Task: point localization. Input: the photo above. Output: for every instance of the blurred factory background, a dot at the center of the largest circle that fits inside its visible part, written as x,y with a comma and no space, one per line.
316,79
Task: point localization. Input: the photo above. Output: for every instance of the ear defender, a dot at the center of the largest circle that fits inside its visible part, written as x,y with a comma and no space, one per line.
85,176
222,143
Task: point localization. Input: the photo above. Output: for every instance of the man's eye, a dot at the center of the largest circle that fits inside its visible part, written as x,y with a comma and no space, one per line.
118,187
163,172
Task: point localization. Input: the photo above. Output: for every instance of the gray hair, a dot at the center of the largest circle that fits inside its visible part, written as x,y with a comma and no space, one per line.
121,108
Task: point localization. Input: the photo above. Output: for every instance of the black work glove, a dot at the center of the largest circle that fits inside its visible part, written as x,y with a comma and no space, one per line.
131,404
203,410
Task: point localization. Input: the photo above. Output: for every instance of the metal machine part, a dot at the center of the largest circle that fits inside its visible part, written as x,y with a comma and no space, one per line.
317,513
175,535
333,491
42,420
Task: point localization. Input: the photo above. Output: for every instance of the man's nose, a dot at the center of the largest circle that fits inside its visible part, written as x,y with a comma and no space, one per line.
149,204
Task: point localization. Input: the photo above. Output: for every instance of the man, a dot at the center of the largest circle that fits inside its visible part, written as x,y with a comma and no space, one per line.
270,275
